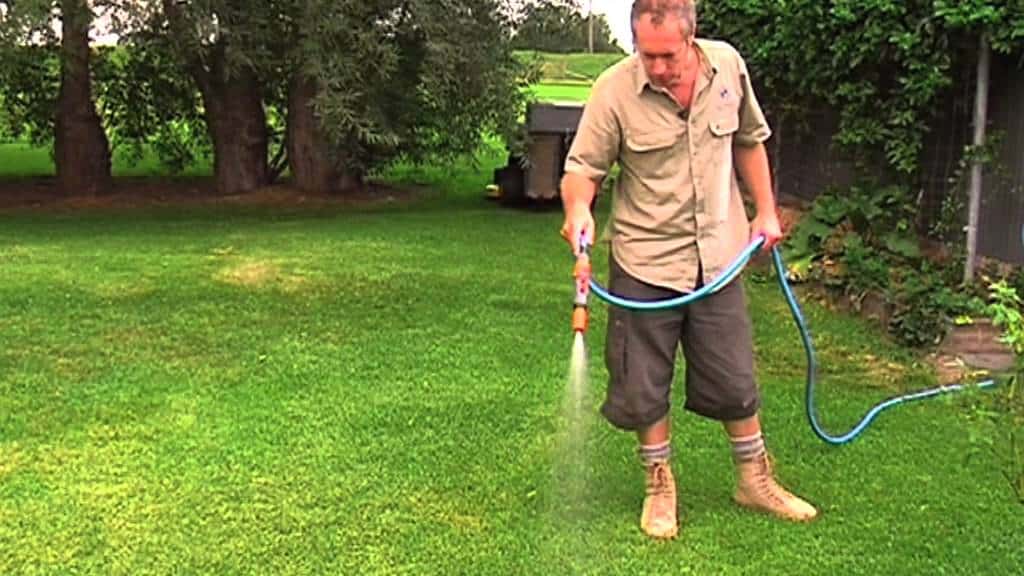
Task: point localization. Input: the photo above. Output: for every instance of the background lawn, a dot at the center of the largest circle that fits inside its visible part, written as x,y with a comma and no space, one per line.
20,160
568,92
381,391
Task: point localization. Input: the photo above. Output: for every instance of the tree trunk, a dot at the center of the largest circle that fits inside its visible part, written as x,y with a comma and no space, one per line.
313,167
308,155
233,103
81,148
237,124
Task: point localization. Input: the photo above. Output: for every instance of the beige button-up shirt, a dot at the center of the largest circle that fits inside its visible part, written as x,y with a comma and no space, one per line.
677,202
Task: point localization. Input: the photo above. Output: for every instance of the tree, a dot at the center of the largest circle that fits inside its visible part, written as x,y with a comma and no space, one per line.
81,148
559,26
219,42
377,81
329,160
358,84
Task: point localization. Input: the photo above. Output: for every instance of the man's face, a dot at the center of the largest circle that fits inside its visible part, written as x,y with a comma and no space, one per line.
663,49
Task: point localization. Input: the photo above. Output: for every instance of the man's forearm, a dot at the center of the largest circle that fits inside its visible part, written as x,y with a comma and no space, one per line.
577,192
753,168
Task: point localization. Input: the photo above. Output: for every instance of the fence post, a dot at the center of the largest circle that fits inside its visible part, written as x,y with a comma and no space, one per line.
980,118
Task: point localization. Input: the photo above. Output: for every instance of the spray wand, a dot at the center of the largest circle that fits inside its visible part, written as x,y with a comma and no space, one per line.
581,271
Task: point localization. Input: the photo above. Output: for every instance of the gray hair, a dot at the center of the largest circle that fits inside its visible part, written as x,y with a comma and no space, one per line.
685,10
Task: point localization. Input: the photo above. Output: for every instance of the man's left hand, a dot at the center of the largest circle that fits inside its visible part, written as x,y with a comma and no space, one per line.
767,225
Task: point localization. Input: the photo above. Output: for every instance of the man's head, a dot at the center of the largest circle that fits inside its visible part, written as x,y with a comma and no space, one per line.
662,33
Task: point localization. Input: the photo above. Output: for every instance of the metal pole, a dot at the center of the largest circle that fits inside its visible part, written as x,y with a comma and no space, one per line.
980,118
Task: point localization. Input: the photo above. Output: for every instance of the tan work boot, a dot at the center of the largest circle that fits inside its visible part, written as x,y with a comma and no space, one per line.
757,489
659,516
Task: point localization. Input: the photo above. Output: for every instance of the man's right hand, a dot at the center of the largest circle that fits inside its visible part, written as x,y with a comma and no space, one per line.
577,195
578,222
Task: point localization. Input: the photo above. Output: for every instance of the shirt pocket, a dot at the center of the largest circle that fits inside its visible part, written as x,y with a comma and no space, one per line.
725,122
723,125
653,155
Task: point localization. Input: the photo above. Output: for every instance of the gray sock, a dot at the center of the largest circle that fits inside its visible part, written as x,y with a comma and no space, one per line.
748,448
655,453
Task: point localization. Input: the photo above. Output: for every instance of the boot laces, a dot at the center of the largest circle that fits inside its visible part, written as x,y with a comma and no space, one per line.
658,482
767,486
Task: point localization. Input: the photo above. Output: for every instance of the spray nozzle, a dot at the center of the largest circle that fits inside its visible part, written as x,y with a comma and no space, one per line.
580,315
584,244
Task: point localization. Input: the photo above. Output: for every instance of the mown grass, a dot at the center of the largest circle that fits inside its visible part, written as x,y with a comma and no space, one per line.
21,160
561,92
569,67
380,391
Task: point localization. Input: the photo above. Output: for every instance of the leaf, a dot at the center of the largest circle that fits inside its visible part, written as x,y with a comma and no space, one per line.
800,269
902,245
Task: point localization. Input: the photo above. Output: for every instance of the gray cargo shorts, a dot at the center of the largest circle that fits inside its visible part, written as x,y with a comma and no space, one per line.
716,340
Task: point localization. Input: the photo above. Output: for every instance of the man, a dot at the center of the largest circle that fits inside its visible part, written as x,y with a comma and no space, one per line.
681,120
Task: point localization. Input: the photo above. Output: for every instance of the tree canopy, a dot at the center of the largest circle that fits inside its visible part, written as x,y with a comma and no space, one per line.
560,26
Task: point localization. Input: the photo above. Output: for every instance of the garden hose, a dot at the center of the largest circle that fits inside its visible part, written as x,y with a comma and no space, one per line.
730,273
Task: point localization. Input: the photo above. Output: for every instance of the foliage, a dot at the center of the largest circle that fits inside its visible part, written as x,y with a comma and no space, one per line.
1006,312
881,63
999,415
25,22
952,218
560,26
148,104
397,79
862,240
5,136
29,83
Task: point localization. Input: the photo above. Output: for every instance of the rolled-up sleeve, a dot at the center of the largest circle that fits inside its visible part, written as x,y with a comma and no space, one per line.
754,127
595,147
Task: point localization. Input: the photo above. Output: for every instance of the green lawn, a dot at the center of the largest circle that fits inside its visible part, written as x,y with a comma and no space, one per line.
380,391
561,92
560,67
18,160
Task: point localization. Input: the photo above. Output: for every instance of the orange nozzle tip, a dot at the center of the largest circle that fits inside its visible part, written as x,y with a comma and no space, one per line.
580,319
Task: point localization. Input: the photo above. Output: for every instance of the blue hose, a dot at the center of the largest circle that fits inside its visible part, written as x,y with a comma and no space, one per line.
729,275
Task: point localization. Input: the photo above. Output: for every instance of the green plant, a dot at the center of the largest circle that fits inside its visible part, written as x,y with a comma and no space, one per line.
1006,313
861,240
881,64
923,304
1007,410
948,226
